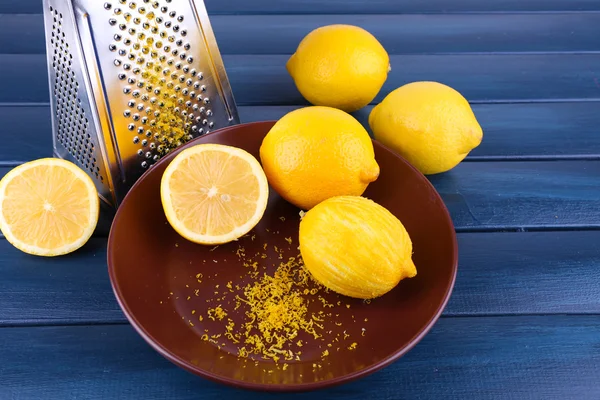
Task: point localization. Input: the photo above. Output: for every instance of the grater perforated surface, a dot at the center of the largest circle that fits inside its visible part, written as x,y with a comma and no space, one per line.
73,125
167,101
131,81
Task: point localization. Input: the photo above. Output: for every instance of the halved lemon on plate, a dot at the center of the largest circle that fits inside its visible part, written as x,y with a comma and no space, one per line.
48,207
213,193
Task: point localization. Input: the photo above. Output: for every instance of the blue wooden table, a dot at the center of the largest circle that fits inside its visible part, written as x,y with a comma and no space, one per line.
524,319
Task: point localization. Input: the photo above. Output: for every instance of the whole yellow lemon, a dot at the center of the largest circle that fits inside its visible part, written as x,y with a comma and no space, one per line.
430,124
355,247
341,66
315,152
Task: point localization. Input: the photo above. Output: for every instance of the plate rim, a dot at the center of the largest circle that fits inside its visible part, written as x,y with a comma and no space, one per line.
280,387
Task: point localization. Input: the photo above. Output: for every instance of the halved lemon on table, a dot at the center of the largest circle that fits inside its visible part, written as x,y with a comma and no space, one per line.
214,193
48,207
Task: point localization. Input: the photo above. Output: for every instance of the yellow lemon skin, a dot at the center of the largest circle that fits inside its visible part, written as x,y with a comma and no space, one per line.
341,66
355,247
314,153
430,124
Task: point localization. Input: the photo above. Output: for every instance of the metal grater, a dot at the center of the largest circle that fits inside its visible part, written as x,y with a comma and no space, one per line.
129,82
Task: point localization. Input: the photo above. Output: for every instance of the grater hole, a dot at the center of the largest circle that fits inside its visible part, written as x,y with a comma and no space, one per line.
73,127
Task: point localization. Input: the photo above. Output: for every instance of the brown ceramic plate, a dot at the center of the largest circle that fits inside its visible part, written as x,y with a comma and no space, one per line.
154,276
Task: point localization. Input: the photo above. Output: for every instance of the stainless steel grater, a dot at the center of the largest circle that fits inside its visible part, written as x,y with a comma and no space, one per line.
129,82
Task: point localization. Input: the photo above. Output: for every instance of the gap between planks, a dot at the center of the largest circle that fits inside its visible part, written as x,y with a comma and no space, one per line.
496,229
364,12
489,101
65,323
469,159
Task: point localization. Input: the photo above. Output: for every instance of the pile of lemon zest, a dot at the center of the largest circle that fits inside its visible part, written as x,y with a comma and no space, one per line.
274,311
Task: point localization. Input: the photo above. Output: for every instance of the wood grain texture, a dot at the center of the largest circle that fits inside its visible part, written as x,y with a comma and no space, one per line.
68,289
521,195
514,195
263,79
357,6
511,131
26,133
549,357
499,273
399,34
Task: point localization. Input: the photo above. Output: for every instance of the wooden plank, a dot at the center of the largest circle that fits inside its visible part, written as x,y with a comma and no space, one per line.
356,6
263,79
395,6
511,131
399,34
546,357
26,133
527,273
480,78
521,195
514,195
29,27
67,289
499,273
